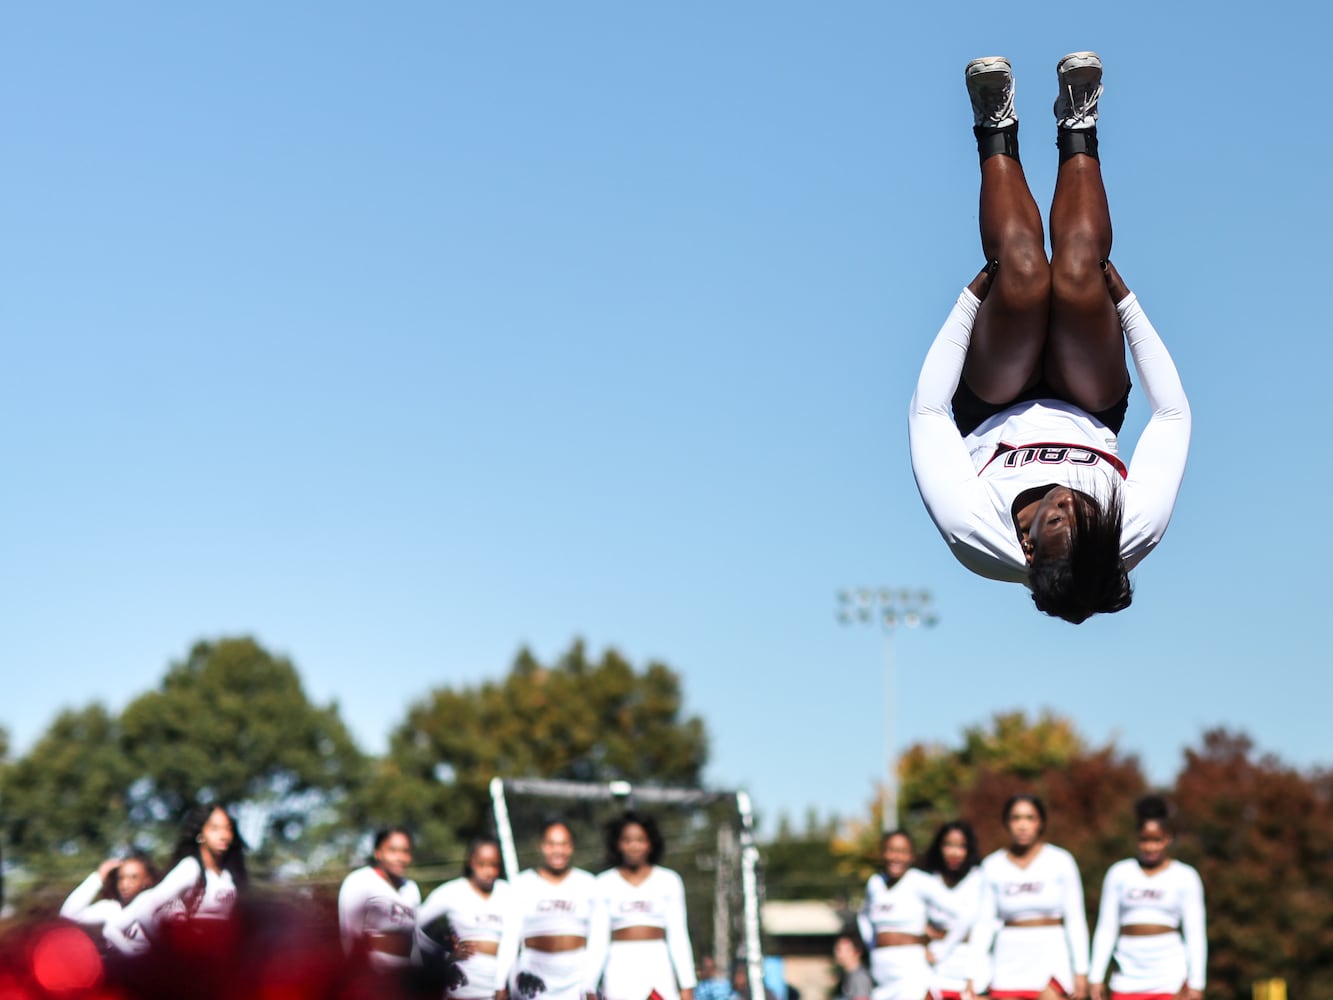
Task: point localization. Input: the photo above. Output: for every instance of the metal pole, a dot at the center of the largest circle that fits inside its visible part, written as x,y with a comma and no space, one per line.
889,609
889,797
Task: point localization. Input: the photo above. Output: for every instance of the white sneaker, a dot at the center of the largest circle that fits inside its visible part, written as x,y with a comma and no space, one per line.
1080,76
990,85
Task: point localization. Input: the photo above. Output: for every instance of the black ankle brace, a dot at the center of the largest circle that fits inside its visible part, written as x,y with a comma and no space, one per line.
1072,141
997,141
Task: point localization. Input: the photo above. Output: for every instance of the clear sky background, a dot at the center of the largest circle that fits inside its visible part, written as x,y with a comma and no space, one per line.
400,336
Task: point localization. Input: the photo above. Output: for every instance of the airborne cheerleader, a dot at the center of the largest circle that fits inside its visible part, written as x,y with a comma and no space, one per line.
1015,420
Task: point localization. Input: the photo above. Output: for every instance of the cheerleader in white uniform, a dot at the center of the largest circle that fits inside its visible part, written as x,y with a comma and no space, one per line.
1152,919
1031,911
955,861
200,891
893,922
104,893
377,904
555,904
640,942
480,911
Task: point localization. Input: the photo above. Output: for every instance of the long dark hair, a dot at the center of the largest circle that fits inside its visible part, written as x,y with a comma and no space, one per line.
1091,578
188,846
933,861
656,845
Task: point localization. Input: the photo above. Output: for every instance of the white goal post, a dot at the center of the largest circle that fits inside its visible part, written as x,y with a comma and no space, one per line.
735,848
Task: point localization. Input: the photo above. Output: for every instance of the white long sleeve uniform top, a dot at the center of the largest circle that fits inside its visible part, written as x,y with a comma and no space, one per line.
170,900
1173,897
1048,888
546,908
957,965
905,908
659,901
84,908
969,484
474,917
369,904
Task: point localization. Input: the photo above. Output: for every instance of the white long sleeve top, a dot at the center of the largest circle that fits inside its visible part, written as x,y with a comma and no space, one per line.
552,908
1172,897
905,908
969,484
168,901
368,903
84,908
1049,887
658,901
474,917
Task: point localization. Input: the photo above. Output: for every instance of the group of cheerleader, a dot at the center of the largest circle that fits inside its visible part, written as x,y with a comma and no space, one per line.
556,930
1009,927
1013,925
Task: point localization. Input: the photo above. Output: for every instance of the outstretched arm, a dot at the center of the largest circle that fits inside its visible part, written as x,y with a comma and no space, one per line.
940,462
1158,465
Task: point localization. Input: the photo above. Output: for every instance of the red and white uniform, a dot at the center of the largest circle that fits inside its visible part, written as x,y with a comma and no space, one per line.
1026,959
369,904
1155,964
901,972
951,970
969,484
630,970
474,917
554,908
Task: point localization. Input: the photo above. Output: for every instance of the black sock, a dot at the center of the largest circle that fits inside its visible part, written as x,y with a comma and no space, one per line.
996,141
1072,141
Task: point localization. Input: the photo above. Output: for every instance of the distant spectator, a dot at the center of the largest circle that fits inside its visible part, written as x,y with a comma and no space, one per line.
740,984
713,984
850,955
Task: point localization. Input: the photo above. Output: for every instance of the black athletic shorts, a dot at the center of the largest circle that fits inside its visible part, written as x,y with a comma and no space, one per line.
970,410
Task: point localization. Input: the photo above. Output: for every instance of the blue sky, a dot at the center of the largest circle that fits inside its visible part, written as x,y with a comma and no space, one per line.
402,336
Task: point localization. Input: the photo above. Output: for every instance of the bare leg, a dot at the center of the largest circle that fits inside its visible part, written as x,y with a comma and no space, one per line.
1009,338
1085,353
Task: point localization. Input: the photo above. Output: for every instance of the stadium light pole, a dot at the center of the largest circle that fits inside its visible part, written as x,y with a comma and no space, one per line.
889,609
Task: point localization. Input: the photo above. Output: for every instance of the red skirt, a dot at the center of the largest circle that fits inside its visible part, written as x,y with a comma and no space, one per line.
1024,994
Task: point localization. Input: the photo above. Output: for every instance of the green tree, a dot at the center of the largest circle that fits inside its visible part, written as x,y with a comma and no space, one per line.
231,722
66,799
1261,835
799,863
578,719
1089,793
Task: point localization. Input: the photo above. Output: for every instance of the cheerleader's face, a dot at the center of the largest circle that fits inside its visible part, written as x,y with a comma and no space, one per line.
557,849
1024,824
898,856
953,849
1048,523
1154,842
217,834
634,845
131,879
484,865
394,855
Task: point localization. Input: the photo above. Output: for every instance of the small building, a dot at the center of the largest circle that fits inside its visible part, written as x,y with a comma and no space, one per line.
801,933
